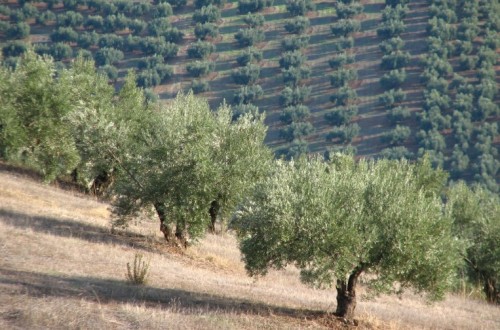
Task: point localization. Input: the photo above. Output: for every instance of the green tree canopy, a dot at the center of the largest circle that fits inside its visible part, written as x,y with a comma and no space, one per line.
337,220
476,215
182,159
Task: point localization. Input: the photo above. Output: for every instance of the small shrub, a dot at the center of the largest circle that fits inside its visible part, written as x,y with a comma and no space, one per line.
248,94
344,27
242,109
207,14
341,115
344,43
18,31
173,35
395,60
391,45
248,56
391,29
348,10
344,96
200,86
138,273
295,42
296,113
345,133
398,114
162,10
252,6
254,20
296,131
393,79
246,75
64,34
107,56
109,71
14,48
342,77
200,68
249,37
148,78
294,96
396,136
299,7
205,30
158,26
202,3
341,60
395,153
292,59
200,49
297,25
292,76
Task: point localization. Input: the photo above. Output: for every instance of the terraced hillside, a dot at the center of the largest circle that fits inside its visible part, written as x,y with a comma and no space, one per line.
379,78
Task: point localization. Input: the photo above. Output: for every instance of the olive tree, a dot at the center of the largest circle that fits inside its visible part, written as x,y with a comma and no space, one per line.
33,129
476,215
340,219
180,159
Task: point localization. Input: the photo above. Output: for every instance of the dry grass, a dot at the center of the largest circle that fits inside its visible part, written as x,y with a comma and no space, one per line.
61,267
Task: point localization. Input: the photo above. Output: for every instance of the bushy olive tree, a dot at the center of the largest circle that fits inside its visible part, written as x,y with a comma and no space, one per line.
33,129
476,215
180,159
340,219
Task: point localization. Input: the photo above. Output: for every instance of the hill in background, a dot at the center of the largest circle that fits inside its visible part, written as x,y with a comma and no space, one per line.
370,77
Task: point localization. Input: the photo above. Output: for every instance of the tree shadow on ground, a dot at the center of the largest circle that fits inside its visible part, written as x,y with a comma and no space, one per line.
112,291
71,228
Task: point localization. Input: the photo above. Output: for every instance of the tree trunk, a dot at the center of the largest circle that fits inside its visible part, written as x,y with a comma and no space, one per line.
490,290
101,183
346,295
214,211
164,227
182,235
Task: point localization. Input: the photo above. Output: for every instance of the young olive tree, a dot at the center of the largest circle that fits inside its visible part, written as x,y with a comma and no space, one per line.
340,219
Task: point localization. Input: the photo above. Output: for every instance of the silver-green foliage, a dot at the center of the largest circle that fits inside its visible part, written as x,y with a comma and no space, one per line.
336,219
476,215
33,129
177,157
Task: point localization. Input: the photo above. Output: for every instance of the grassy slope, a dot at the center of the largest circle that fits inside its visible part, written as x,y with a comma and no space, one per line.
61,267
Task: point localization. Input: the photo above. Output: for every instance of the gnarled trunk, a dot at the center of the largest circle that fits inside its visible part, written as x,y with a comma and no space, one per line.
101,183
181,234
346,295
490,290
164,227
214,211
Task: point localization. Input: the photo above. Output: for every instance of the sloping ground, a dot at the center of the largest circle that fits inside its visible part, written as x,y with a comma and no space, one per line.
372,117
62,267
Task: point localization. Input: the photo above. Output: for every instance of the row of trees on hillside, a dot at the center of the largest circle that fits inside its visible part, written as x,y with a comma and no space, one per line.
335,220
206,18
248,60
295,114
394,60
178,159
455,102
90,29
345,97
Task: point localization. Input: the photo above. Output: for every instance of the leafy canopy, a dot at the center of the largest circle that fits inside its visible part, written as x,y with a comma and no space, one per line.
332,219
